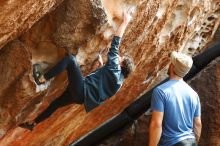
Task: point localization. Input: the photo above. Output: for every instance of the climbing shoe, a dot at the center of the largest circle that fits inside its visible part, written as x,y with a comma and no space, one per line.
28,125
37,73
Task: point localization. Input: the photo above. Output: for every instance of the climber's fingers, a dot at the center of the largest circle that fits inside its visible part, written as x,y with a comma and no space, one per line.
131,10
126,17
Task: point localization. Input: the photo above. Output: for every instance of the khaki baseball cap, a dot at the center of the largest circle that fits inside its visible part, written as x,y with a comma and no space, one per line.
182,63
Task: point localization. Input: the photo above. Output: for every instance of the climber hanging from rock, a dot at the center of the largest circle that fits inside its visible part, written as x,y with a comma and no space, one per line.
93,89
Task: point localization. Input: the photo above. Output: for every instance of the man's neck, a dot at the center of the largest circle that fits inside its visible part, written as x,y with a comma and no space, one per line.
175,77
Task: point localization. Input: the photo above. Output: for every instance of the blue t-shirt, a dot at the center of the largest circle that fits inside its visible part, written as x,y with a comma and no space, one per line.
180,105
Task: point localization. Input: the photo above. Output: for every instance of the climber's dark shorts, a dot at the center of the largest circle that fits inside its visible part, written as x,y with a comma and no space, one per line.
75,77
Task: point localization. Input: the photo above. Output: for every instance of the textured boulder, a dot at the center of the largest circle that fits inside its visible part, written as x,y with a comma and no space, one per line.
207,84
18,16
85,28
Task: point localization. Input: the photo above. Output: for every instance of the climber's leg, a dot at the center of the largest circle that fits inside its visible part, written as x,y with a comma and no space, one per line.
60,67
75,77
57,69
73,94
61,101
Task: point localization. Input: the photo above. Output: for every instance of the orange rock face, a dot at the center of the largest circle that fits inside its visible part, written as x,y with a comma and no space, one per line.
17,17
86,27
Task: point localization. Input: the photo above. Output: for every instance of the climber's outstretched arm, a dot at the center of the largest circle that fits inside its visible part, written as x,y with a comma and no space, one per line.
113,55
126,19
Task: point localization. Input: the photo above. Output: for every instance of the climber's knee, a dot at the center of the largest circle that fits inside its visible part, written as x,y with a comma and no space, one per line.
71,59
78,100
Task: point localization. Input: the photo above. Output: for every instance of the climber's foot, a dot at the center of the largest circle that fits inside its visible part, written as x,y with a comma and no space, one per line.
38,75
28,125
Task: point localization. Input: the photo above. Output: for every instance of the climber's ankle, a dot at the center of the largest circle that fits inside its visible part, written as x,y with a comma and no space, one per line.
42,79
